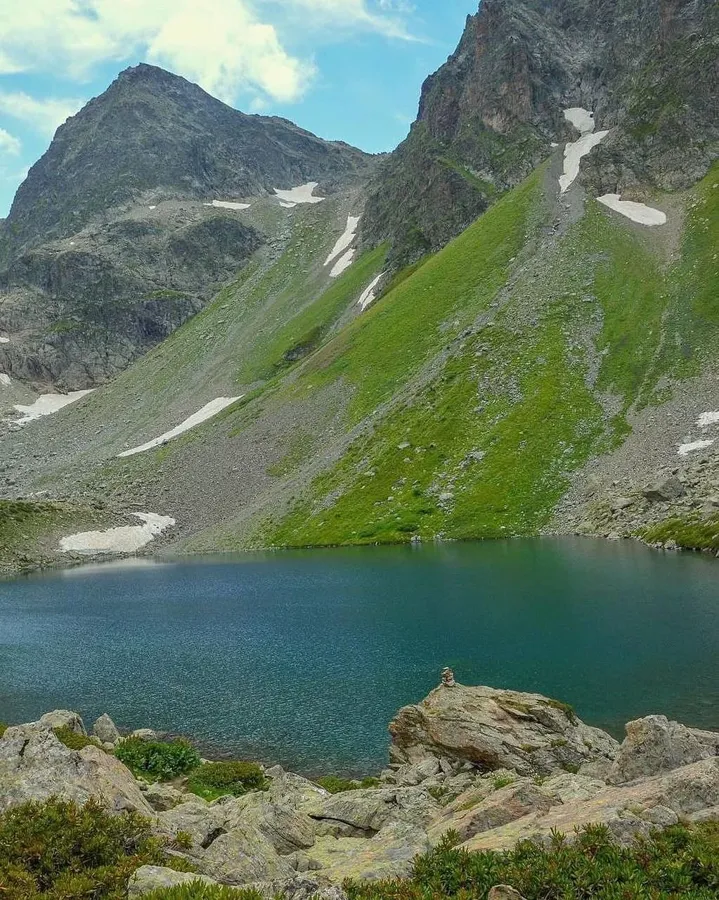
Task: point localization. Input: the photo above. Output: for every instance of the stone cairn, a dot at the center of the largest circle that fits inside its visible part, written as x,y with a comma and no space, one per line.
448,677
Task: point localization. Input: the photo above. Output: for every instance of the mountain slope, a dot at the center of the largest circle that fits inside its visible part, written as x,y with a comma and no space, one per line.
113,241
489,115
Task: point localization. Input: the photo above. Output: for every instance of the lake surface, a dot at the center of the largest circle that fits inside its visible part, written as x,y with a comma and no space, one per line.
304,657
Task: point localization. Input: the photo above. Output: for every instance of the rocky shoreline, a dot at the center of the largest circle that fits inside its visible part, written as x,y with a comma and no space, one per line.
489,767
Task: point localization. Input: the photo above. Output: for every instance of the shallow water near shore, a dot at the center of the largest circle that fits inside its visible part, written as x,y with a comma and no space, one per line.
304,657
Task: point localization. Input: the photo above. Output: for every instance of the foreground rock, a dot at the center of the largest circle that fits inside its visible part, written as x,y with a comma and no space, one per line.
35,765
105,730
655,745
152,878
495,729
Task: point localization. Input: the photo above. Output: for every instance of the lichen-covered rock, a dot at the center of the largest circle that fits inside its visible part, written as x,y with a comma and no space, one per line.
105,730
64,718
494,729
654,745
389,854
287,829
152,878
503,892
367,811
201,820
163,797
507,804
293,790
35,765
242,856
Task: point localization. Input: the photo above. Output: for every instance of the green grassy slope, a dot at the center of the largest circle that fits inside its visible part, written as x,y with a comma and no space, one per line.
484,447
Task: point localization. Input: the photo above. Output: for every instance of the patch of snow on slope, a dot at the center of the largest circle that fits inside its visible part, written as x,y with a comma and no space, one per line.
573,154
227,204
4,340
47,404
343,263
346,239
202,415
4,379
637,212
582,119
124,539
301,194
686,449
708,418
369,293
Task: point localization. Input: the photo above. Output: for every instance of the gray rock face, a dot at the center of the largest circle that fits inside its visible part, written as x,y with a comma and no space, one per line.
389,854
152,878
163,797
34,765
504,892
242,856
654,745
490,113
493,729
285,828
668,489
64,718
105,730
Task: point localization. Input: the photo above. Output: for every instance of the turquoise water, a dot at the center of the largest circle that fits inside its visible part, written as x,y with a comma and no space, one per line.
303,657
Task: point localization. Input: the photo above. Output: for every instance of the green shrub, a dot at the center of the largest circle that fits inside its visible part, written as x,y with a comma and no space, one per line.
3,728
679,862
61,851
159,760
336,785
502,781
73,740
200,891
229,777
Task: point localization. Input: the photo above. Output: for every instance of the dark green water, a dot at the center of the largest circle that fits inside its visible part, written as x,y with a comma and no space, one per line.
304,657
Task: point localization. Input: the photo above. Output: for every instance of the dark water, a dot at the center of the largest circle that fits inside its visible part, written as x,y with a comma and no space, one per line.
304,657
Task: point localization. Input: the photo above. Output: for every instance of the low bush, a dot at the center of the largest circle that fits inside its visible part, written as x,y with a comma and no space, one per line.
216,779
73,740
681,861
3,728
158,760
60,851
336,785
200,891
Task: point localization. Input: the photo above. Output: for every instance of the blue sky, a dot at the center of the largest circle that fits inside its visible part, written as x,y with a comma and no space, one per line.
345,69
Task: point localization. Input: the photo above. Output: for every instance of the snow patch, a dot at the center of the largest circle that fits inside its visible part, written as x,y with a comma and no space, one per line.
4,379
582,119
369,293
152,207
708,418
346,239
227,204
686,449
4,340
343,263
202,415
47,404
573,154
637,212
124,539
301,194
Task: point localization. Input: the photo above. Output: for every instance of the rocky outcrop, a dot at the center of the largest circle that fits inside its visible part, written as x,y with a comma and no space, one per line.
655,745
389,854
365,812
489,115
153,878
35,765
105,730
64,718
493,729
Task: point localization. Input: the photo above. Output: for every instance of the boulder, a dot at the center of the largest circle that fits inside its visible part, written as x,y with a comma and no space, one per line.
242,856
493,729
410,775
287,829
503,892
567,787
146,734
302,887
625,809
654,745
389,854
163,797
35,765
293,790
365,812
151,878
665,490
507,804
202,821
64,718
104,730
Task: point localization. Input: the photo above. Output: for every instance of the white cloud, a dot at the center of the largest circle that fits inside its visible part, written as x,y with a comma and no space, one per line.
9,143
227,46
43,115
